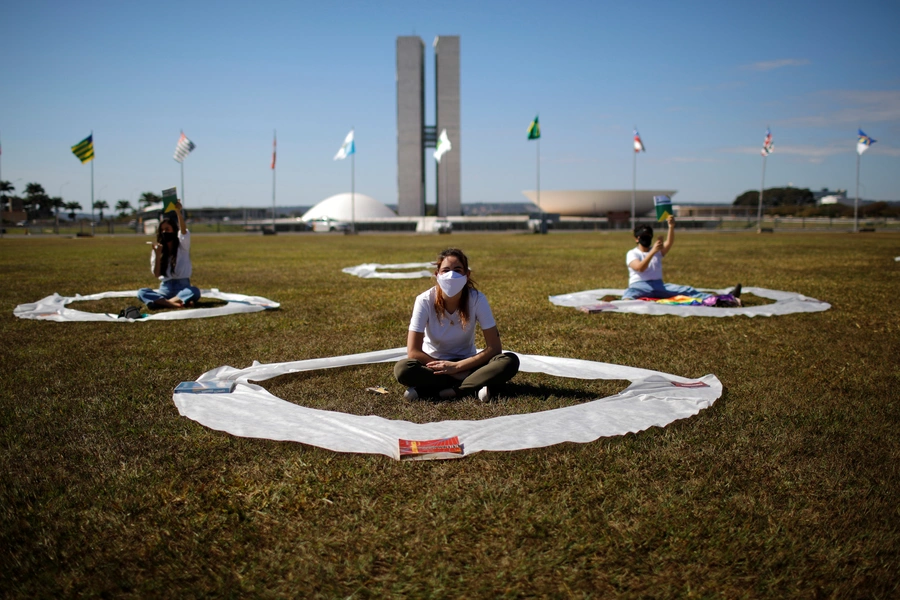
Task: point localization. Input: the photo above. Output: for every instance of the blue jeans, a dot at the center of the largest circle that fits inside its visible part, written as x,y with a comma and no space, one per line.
170,288
655,288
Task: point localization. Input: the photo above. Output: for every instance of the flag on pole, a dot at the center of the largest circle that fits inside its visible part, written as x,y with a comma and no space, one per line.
347,148
274,144
864,142
534,130
638,144
767,144
183,148
84,149
443,146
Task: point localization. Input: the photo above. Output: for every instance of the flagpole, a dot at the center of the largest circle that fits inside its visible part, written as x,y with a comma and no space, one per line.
353,188
762,185
273,182
92,188
633,184
856,203
540,208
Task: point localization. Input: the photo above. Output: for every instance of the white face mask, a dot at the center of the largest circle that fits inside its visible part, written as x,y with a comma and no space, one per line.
451,283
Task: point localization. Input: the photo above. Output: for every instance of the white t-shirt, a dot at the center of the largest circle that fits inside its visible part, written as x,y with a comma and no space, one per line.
653,270
445,339
182,263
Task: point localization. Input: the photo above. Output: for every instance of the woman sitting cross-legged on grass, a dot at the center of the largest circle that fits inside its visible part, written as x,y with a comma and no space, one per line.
170,261
645,269
441,356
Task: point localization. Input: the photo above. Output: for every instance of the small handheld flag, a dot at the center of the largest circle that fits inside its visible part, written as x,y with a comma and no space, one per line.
864,142
274,144
183,148
169,199
443,146
84,150
534,130
638,144
663,207
347,148
767,144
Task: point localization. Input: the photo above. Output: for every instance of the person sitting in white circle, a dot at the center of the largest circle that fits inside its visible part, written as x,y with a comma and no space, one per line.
170,261
441,356
644,263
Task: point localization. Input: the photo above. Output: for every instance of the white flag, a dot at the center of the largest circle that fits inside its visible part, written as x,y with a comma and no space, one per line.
347,148
443,146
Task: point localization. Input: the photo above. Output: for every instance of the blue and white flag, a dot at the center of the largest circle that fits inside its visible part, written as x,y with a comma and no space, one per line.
864,142
443,146
347,148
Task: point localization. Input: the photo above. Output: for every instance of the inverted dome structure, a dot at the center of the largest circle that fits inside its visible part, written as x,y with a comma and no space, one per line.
341,207
595,203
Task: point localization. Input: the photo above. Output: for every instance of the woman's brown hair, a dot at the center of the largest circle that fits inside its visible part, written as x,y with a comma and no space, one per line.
463,309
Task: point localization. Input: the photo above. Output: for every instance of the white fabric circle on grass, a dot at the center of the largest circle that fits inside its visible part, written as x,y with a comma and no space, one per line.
652,399
53,308
785,303
373,271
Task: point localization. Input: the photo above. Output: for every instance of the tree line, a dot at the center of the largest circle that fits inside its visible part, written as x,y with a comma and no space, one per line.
801,202
37,204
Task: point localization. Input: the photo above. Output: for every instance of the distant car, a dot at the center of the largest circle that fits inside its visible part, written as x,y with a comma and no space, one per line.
329,224
22,224
442,226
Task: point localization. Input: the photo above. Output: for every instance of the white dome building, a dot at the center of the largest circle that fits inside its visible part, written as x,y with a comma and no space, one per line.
341,207
595,203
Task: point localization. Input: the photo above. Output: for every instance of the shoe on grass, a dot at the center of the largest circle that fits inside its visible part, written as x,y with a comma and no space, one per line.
736,292
411,394
484,394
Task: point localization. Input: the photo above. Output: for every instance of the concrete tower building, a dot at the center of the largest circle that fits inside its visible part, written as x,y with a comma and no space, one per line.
410,126
414,137
446,77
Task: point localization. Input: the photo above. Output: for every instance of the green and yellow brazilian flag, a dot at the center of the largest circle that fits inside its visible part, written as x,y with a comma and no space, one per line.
534,130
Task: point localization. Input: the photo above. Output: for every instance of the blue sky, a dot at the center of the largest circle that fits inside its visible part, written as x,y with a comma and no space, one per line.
700,80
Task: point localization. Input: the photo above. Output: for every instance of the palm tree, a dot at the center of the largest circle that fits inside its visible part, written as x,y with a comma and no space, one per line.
122,207
6,186
35,199
100,205
148,198
72,207
56,203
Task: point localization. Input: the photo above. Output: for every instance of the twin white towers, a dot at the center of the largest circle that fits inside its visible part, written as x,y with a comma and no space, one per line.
414,136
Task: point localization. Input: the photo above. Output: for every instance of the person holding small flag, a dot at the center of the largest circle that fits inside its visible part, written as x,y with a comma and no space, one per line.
170,261
645,270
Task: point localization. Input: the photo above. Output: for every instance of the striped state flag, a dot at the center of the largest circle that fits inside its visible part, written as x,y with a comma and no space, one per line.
638,144
767,144
863,143
84,150
183,148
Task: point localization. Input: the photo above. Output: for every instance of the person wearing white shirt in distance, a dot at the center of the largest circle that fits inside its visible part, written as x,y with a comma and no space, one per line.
645,267
170,261
441,356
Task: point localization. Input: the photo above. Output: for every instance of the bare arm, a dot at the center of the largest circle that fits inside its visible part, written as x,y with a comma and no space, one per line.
670,236
414,341
181,226
157,267
492,347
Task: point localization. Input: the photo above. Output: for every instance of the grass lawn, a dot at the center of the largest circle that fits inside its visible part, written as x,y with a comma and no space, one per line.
789,486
